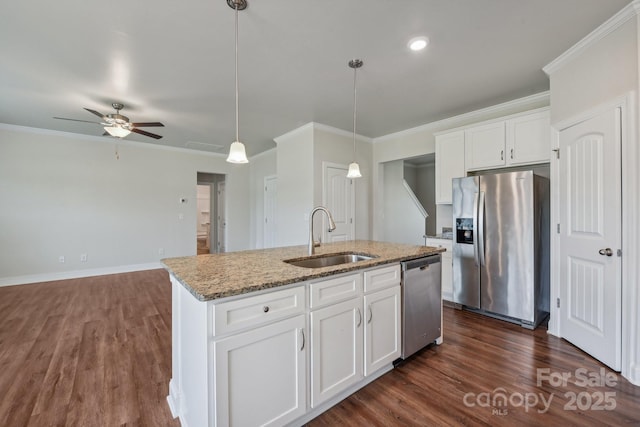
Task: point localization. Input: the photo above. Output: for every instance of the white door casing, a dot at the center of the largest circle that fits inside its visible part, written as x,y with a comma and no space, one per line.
270,209
338,195
590,236
222,218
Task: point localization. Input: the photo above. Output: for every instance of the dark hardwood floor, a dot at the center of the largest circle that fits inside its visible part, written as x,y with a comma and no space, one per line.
97,352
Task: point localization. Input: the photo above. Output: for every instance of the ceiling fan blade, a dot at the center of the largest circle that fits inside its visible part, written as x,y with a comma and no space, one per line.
76,120
95,112
147,124
145,133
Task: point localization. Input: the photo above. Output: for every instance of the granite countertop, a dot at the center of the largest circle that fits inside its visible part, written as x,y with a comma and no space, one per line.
214,276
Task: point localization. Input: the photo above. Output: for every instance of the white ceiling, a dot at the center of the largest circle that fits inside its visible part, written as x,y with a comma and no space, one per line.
172,61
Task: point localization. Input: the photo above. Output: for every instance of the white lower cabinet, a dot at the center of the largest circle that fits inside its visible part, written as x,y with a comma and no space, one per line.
260,375
336,349
248,361
382,329
355,338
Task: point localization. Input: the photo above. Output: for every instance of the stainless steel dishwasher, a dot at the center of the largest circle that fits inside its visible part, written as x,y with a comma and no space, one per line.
421,303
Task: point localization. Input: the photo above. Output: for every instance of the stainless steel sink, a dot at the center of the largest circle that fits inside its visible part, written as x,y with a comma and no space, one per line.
328,260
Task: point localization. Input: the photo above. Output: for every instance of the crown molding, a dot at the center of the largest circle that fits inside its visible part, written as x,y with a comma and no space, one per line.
294,132
542,97
616,21
262,153
325,128
341,132
122,142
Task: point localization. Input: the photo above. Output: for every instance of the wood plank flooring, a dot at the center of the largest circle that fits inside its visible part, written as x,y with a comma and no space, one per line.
97,352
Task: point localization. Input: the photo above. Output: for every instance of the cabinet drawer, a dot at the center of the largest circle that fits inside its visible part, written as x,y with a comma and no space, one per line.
381,278
257,310
334,290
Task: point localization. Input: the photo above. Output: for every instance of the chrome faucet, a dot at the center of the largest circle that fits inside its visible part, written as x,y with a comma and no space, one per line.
332,226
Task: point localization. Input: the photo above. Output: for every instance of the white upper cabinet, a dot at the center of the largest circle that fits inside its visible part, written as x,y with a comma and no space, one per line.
529,138
449,164
484,146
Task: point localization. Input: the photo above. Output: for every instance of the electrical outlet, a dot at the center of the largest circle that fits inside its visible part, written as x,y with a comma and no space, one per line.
160,251
83,257
61,259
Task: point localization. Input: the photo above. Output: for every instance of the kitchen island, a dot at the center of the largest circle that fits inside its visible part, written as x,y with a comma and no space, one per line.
259,341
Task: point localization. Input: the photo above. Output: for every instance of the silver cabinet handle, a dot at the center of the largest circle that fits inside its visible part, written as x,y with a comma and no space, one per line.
359,318
501,154
606,252
370,314
512,154
303,340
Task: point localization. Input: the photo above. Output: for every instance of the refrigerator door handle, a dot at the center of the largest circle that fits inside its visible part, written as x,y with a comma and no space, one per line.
480,229
475,230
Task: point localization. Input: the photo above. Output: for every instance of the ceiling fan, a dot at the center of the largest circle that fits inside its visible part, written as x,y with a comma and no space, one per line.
117,125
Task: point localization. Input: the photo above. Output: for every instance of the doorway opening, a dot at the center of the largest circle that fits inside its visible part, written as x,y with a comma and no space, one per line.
211,220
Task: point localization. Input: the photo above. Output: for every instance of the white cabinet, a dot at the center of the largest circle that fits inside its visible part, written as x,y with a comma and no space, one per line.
446,265
449,163
260,375
355,337
519,140
381,329
484,146
336,349
529,139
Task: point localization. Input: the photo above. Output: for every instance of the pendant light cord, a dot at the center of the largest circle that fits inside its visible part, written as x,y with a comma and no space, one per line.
237,109
355,70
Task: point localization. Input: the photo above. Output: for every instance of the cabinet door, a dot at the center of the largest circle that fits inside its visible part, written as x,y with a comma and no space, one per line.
447,275
260,375
382,329
529,139
485,146
449,164
336,349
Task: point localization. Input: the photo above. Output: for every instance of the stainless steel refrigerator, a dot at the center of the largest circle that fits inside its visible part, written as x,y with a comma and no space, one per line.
501,245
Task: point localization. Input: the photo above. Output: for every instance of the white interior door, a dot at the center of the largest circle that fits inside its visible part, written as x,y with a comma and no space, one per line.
590,215
270,209
222,218
339,198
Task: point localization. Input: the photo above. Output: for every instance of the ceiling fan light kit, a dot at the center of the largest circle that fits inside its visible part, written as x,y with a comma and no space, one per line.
354,167
237,153
117,125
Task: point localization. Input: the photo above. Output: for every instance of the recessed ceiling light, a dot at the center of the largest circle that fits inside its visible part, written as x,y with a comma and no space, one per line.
418,43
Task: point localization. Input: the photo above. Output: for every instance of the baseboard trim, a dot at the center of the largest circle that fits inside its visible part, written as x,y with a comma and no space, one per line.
49,277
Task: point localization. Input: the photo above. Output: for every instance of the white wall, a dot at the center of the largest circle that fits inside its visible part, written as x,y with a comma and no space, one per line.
426,193
260,166
403,222
66,194
609,69
295,185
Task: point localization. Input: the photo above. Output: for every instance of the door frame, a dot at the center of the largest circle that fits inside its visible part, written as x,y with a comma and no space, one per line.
265,226
630,227
352,226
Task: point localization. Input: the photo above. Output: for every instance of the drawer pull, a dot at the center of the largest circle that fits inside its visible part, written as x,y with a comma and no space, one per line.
265,308
359,318
370,314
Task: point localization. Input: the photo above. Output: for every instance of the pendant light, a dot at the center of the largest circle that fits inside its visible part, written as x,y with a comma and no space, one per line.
237,153
354,168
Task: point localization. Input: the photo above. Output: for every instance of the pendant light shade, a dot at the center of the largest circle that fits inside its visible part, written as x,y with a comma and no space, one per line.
117,131
354,171
237,153
354,167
